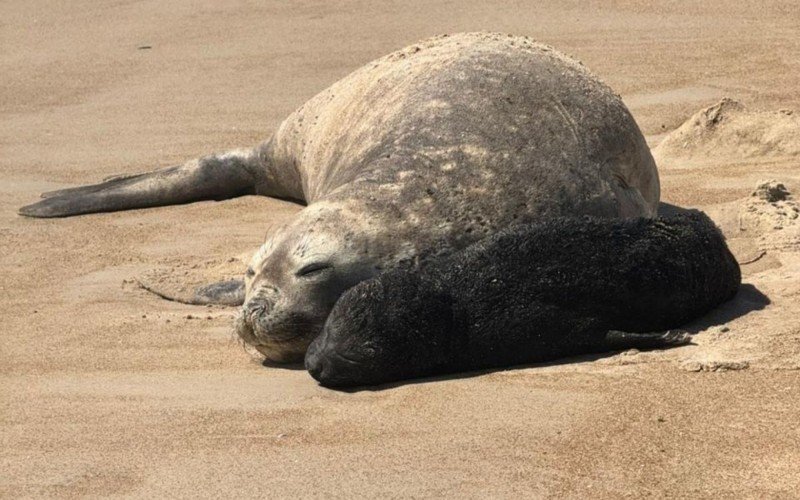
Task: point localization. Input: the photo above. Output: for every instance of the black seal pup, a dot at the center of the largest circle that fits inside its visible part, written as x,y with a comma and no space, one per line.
558,288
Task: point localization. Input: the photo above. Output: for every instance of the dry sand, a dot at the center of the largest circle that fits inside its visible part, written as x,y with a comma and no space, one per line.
108,390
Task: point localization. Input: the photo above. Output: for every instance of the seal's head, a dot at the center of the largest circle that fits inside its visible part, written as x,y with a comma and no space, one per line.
296,277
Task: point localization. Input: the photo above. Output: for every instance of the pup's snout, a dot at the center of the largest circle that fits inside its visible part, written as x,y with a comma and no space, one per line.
315,362
328,366
325,366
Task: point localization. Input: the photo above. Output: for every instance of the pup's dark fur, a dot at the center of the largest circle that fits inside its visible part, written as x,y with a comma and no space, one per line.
536,293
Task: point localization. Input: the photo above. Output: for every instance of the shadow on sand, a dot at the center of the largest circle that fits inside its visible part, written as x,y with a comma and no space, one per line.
748,299
283,366
668,210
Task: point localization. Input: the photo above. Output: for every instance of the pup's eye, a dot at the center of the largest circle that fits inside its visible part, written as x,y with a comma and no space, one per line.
313,268
249,273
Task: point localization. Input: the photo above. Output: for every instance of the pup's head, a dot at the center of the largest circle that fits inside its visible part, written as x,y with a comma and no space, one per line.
385,329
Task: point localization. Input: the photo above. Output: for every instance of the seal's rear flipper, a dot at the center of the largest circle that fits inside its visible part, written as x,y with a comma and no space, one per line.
222,293
108,183
217,177
619,341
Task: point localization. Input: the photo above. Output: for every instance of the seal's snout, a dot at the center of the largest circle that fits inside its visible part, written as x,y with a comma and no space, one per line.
256,310
251,321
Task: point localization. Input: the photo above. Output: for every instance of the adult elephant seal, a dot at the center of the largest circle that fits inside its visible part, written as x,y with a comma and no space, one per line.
414,155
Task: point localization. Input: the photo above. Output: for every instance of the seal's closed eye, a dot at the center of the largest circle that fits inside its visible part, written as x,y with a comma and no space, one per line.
312,269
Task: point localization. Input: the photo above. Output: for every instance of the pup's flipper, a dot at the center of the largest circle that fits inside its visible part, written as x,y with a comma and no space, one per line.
619,341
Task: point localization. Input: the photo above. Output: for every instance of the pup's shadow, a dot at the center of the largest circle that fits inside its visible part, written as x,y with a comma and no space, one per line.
747,300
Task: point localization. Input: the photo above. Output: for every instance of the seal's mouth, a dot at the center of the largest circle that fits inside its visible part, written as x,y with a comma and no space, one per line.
278,341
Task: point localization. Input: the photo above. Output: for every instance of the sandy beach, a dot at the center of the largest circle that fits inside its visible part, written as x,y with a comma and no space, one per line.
108,390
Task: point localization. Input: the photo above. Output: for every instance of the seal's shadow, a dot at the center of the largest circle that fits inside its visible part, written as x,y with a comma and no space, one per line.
283,366
747,300
668,210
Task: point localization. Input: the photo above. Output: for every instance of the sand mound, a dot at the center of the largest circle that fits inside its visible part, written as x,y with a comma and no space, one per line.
763,228
727,130
772,216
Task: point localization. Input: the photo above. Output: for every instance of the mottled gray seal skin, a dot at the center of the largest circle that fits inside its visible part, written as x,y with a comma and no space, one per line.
533,293
412,156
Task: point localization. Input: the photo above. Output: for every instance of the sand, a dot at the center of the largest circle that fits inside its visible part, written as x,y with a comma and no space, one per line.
109,390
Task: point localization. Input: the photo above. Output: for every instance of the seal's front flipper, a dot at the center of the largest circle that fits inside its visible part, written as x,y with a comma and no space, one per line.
222,293
225,293
218,177
620,341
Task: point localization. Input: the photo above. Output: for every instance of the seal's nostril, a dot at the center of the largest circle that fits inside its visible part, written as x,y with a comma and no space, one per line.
255,308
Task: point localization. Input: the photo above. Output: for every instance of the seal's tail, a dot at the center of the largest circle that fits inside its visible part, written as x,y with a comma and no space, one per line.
619,341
